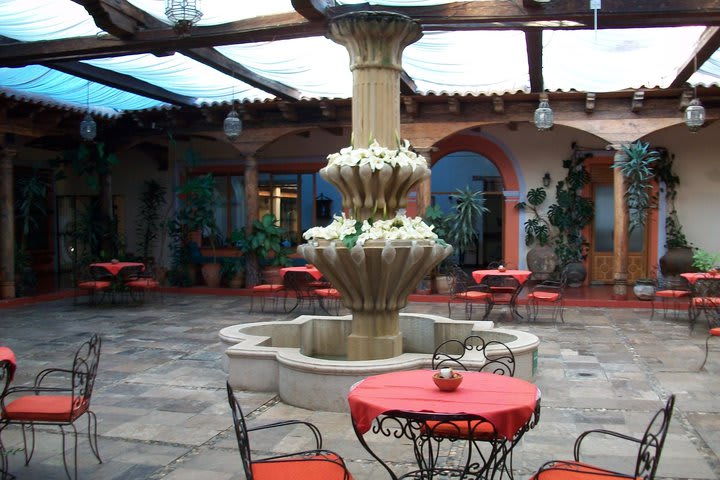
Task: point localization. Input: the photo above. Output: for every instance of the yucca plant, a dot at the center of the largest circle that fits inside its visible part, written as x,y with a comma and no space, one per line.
637,168
466,215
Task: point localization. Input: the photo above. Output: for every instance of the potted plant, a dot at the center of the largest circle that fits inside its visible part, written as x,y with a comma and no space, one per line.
152,200
464,218
570,214
637,169
439,278
705,261
196,213
541,258
233,271
265,246
30,205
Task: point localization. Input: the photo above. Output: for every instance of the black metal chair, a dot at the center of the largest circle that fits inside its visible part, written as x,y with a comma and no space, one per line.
550,293
649,448
95,282
264,290
669,291
475,353
300,285
713,332
462,291
705,301
59,396
316,463
141,281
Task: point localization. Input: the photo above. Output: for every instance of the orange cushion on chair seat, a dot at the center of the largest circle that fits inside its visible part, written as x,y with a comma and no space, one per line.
568,470
672,293
715,332
706,301
326,467
43,408
268,287
94,284
327,292
546,296
473,295
143,283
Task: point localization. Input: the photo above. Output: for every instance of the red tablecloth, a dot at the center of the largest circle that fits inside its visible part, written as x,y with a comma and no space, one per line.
505,401
694,277
519,275
114,268
7,354
312,271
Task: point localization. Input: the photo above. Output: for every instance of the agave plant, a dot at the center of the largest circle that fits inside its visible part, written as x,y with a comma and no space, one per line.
467,213
637,168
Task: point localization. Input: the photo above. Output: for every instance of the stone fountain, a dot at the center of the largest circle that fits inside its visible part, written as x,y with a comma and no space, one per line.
313,360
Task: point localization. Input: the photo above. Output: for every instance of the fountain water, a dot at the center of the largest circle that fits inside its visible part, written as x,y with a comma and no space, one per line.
377,273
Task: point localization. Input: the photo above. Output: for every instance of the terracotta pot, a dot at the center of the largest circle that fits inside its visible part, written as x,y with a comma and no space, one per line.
211,274
237,281
542,261
576,273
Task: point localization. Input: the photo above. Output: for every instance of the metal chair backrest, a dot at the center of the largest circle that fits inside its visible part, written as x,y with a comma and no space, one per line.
459,280
652,442
240,432
130,273
298,281
84,371
491,356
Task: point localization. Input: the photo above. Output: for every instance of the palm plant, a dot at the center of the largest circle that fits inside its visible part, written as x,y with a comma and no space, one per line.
637,168
466,215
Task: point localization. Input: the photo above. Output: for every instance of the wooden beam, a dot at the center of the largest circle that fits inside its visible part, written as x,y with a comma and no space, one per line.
589,102
259,29
122,82
218,61
637,101
313,9
533,41
407,84
118,17
498,104
708,44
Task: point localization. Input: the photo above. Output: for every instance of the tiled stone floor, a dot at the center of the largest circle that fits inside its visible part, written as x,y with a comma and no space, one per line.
162,411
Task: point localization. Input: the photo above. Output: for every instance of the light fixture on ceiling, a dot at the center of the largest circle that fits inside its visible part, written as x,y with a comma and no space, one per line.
695,112
88,127
232,126
546,179
184,14
544,116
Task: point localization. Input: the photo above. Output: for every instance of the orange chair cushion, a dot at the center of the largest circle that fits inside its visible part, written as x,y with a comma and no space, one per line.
308,468
473,295
268,287
43,408
143,283
481,430
715,332
94,284
672,293
327,292
567,470
709,302
545,296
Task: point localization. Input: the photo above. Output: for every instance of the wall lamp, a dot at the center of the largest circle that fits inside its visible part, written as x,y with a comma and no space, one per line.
546,179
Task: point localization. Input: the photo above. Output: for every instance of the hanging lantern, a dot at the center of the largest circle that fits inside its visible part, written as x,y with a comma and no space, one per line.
232,126
88,128
694,115
544,116
184,14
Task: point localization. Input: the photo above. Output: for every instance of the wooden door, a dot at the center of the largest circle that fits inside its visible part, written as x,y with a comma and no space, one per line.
601,241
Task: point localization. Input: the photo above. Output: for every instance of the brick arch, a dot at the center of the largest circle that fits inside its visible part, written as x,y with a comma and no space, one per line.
495,154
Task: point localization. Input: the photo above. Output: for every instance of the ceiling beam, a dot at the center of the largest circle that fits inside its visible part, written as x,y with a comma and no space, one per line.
708,44
122,82
118,17
407,84
313,9
490,14
533,41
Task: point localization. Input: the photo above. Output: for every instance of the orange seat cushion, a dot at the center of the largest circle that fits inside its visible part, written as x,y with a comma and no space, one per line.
481,430
94,284
574,471
327,292
143,283
43,408
473,295
672,293
709,302
545,296
268,288
310,468
715,332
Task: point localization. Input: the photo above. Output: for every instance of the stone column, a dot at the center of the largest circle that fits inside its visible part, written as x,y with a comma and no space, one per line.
251,213
375,41
423,189
7,224
620,233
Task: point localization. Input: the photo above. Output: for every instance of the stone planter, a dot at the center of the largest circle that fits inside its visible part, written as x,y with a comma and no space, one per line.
542,261
644,290
576,273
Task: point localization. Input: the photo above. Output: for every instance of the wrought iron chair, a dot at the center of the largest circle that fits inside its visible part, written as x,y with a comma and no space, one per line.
59,397
549,293
475,353
329,299
461,291
141,281
670,290
648,455
308,464
705,300
7,372
93,281
713,332
300,285
264,290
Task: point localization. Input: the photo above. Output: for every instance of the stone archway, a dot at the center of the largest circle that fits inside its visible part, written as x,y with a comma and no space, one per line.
511,193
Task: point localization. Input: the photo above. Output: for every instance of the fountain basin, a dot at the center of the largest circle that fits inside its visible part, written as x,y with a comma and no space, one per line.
304,359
